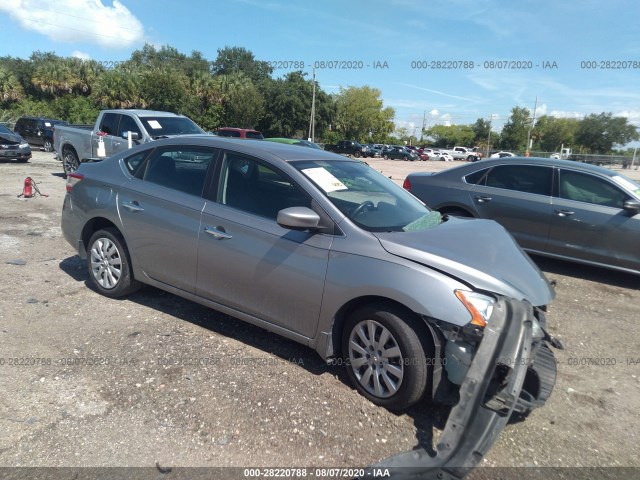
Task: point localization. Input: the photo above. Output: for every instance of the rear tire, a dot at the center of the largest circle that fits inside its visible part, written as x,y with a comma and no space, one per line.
48,146
456,212
384,356
109,264
70,162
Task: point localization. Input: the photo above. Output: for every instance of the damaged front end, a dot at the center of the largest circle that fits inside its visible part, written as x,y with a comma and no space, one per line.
512,370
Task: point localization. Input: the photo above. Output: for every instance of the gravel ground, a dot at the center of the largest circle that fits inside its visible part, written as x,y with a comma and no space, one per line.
154,379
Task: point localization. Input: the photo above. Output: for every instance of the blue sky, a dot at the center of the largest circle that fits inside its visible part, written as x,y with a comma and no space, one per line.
397,32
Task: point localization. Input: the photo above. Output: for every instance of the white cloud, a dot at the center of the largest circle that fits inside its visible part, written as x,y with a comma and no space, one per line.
434,112
78,21
633,116
81,55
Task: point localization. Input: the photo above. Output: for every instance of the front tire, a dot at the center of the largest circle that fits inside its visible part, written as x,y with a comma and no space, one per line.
385,359
48,146
70,162
109,264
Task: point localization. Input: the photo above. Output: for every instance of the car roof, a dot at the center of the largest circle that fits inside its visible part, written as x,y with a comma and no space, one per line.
282,151
144,113
550,162
236,129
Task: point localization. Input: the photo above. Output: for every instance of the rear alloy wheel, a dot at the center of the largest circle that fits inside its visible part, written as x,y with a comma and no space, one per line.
70,162
384,357
386,157
109,264
357,154
48,146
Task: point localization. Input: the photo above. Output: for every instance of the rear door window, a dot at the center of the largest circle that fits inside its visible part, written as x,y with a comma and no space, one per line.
182,168
521,178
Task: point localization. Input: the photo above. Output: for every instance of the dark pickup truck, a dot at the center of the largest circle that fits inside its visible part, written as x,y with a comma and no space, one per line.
348,147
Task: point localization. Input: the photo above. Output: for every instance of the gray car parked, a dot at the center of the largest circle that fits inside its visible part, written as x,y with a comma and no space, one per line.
557,208
328,252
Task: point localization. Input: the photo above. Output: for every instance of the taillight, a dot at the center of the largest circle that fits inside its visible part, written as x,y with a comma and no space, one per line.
407,184
73,179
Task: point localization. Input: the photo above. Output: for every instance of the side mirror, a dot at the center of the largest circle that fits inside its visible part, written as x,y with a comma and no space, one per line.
134,135
298,218
632,206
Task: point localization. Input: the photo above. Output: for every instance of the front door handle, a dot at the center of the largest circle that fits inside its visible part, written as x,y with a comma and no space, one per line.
217,232
482,199
564,213
133,206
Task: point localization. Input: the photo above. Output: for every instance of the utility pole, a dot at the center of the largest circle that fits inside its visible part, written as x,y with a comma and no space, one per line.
489,136
633,160
533,122
312,122
424,125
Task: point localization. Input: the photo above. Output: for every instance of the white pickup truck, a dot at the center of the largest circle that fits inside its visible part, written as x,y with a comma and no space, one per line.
464,153
80,143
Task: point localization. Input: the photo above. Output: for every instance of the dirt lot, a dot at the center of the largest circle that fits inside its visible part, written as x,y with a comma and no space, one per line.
89,381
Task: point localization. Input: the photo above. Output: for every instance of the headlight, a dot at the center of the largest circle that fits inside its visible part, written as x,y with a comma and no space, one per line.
480,306
24,145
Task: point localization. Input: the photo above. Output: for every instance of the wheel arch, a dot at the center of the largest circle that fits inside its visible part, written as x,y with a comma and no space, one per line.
354,304
95,224
451,208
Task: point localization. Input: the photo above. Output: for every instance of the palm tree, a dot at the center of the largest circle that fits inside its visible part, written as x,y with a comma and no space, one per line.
10,88
118,88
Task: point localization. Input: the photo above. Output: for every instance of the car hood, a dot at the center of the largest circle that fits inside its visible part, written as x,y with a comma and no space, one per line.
477,252
10,138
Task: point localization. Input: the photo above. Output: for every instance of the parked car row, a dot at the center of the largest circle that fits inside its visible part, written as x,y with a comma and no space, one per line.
13,146
38,131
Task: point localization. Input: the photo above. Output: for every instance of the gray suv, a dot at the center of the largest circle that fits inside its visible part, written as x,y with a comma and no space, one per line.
328,252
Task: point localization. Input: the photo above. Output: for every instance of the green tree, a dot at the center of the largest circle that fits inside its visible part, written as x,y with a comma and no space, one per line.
288,107
119,88
360,114
481,130
237,59
598,133
551,133
243,103
444,136
167,57
10,88
515,131
166,90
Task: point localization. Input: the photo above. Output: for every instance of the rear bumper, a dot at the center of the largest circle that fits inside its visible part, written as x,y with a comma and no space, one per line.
489,395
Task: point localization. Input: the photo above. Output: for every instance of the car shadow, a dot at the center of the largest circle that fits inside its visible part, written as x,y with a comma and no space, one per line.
59,174
586,272
426,416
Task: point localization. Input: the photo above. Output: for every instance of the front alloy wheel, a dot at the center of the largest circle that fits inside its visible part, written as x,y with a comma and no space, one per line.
376,360
384,350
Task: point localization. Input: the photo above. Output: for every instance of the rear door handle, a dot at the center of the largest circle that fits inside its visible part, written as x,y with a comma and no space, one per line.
564,213
482,199
133,206
217,232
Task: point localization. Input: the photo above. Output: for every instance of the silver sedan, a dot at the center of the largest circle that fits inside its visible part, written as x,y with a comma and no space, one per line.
557,208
